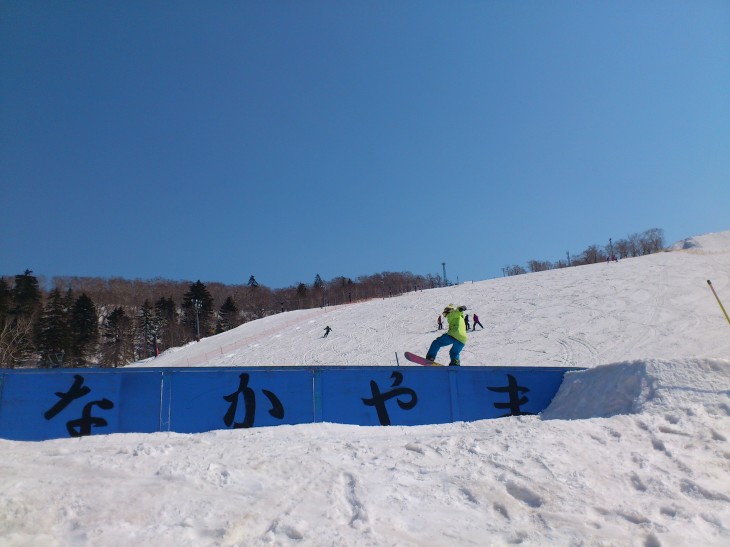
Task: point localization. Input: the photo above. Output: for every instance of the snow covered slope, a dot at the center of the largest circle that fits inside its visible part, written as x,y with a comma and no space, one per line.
634,451
656,306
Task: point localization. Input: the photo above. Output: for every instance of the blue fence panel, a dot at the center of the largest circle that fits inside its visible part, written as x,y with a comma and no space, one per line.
139,401
206,399
385,395
42,405
48,404
494,392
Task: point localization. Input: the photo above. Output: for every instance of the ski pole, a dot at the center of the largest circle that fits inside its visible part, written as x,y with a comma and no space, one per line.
718,300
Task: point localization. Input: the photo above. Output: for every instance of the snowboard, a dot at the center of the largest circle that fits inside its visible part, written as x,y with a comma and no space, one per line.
421,360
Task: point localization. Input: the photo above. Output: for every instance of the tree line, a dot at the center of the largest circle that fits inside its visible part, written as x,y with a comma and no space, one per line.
638,244
83,321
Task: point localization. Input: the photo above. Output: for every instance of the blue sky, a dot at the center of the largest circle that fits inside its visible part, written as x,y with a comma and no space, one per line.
216,140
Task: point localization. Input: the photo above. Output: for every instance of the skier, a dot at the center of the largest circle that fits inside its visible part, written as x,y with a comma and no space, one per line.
466,321
440,323
327,330
454,337
477,322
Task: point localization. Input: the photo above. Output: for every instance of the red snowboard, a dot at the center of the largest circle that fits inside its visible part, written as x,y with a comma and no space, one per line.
421,360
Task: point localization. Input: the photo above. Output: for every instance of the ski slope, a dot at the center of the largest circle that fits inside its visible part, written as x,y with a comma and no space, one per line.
633,451
656,306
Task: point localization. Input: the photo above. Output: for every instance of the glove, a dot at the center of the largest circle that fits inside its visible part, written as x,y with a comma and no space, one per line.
462,308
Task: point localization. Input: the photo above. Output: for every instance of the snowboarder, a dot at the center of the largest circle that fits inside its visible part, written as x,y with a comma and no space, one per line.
454,337
477,322
440,323
327,330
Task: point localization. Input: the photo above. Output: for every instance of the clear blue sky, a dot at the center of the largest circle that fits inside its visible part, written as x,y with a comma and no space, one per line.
216,140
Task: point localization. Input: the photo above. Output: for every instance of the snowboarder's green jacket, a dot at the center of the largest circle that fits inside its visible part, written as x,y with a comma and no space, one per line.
457,327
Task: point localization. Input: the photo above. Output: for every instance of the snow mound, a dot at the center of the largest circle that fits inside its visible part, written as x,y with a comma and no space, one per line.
687,243
714,242
692,386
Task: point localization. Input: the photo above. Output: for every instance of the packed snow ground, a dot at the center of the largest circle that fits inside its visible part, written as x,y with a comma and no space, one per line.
633,451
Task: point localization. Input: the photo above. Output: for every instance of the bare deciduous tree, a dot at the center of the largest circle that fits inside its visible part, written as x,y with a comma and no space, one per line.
515,269
539,265
15,341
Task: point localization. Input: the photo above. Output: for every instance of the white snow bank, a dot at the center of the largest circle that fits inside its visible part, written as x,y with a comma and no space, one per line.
713,243
688,385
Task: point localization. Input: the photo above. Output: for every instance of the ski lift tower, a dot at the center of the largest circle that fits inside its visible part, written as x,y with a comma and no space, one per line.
446,283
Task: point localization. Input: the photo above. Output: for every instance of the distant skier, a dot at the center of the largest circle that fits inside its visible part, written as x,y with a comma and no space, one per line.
327,330
454,337
466,321
476,322
440,323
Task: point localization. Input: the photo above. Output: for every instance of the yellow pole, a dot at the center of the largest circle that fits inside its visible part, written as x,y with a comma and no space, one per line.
718,300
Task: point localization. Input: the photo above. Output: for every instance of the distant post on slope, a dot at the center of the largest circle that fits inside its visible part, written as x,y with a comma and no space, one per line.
718,301
198,304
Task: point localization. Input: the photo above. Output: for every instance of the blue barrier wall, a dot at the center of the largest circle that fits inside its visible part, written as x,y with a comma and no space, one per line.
47,404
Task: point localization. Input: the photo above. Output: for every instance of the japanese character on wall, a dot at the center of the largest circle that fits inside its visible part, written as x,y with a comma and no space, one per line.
79,427
249,401
378,398
515,401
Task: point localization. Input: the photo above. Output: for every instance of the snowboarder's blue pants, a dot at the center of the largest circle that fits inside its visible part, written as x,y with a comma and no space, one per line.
443,341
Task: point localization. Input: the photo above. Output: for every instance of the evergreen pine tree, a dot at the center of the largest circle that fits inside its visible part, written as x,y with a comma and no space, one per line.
117,346
202,315
54,334
26,296
227,316
166,317
301,290
5,302
26,311
149,324
84,330
8,332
